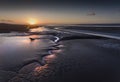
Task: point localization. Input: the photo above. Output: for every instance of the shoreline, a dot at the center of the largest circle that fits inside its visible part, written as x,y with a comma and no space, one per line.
39,62
71,57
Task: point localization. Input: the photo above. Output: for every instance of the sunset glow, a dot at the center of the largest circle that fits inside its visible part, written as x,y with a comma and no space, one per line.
32,21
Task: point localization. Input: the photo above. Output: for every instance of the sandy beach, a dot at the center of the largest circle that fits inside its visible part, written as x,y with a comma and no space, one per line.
71,58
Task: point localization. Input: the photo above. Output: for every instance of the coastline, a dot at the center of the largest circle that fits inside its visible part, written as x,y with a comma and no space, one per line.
77,60
68,57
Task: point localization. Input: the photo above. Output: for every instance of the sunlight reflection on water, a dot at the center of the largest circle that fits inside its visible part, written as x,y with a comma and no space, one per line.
14,50
40,29
50,58
38,70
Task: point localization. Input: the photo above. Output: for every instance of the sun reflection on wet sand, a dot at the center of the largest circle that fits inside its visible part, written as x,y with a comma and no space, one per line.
40,29
38,70
14,50
56,51
34,36
26,41
50,58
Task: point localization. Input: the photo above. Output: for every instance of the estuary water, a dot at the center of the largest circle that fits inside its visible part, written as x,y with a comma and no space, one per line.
16,49
72,59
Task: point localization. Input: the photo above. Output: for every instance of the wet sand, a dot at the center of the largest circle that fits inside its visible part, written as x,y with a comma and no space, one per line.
73,60
77,60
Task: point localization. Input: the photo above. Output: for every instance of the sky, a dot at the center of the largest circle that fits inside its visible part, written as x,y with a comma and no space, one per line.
60,11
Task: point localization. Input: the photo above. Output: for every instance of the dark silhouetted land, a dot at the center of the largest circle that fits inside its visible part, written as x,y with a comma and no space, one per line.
6,28
12,27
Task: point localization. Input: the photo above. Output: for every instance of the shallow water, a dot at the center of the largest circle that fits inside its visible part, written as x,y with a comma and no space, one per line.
83,60
14,50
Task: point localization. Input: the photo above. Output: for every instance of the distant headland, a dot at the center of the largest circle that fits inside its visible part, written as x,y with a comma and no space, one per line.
6,28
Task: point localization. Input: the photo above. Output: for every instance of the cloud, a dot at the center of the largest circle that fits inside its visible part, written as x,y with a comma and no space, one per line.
91,14
8,21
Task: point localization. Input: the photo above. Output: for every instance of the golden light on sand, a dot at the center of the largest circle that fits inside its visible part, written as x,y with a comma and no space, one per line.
32,21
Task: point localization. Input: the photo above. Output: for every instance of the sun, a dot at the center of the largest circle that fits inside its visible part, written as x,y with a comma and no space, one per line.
32,21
